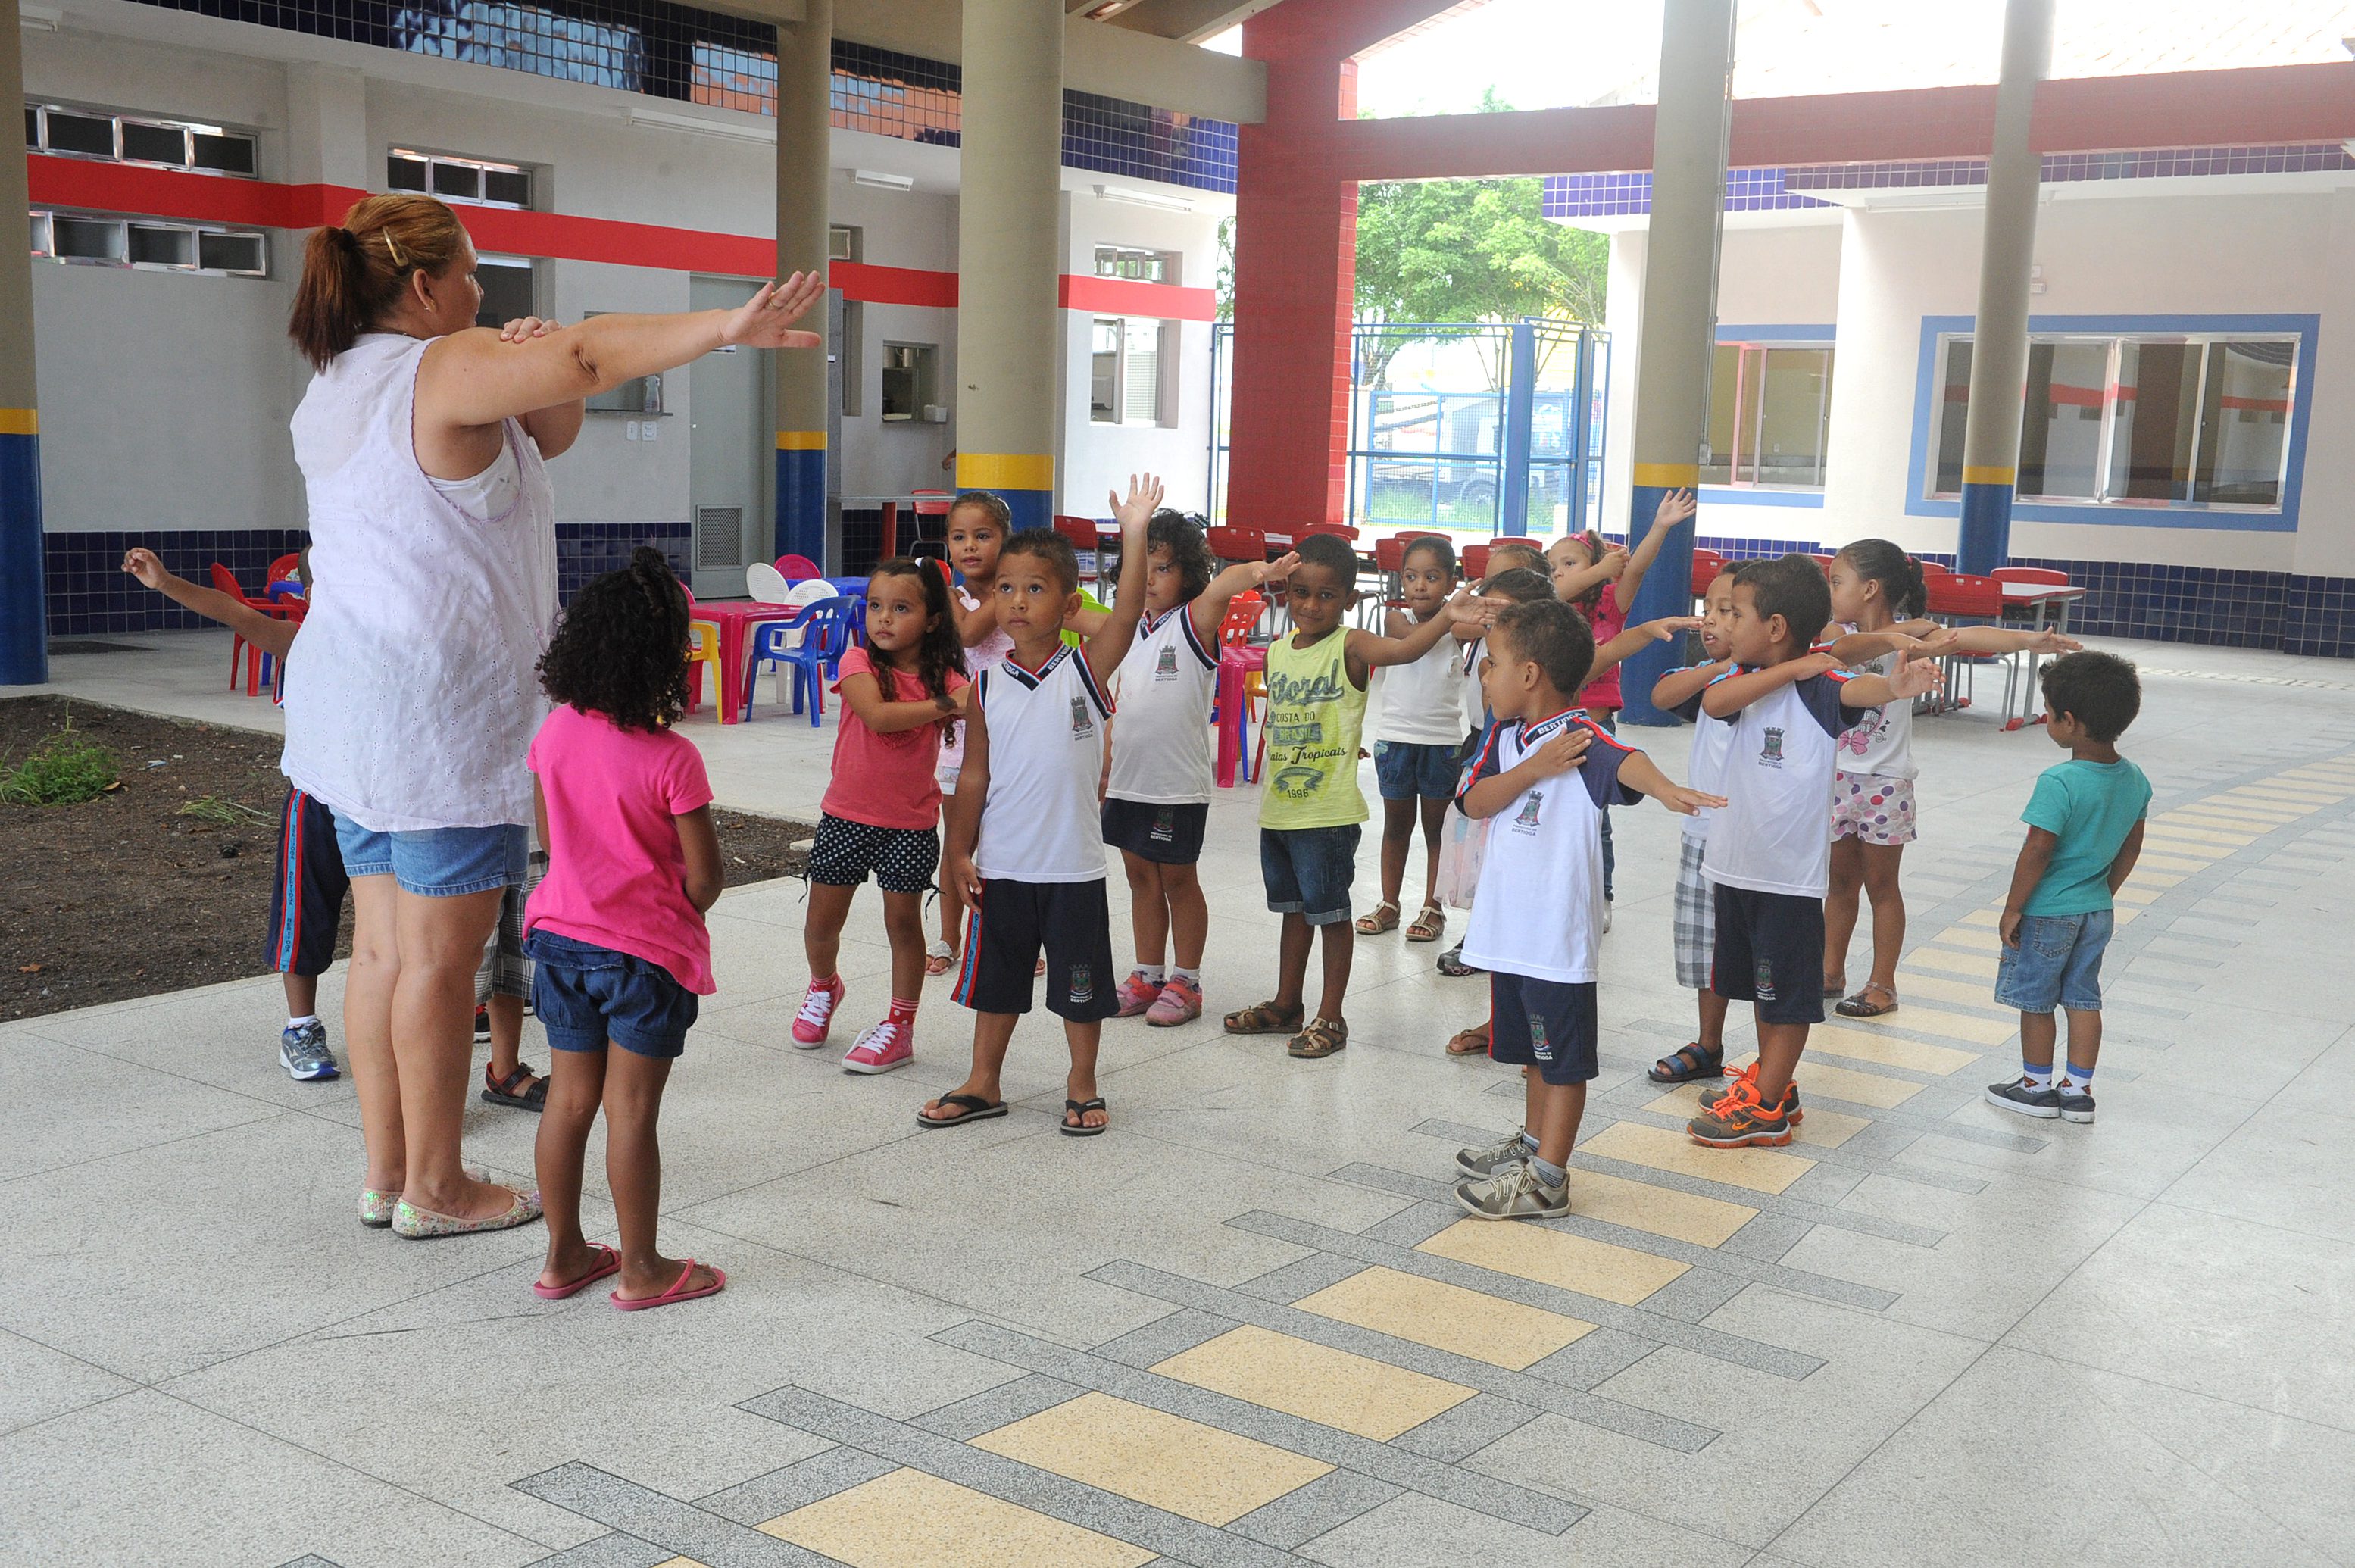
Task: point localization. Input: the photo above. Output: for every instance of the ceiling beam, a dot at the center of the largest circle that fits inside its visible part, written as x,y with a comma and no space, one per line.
1187,21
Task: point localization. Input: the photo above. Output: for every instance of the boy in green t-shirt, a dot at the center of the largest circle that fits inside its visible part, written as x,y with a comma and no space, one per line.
1310,804
2085,831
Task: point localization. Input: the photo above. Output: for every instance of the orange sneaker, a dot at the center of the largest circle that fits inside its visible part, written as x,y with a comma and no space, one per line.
1738,1121
1709,1097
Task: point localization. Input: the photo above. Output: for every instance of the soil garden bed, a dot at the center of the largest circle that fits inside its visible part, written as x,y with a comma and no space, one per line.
163,881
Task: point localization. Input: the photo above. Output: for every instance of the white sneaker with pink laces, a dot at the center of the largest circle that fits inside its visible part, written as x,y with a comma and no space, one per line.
816,1016
880,1048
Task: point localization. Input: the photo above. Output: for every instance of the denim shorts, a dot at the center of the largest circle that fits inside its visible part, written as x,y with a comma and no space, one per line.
1404,770
586,995
2059,960
435,862
1308,870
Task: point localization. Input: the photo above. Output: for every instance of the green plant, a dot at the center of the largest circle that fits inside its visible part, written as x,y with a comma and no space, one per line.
66,768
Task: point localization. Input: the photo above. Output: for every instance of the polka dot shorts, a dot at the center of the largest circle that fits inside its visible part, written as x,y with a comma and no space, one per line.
1874,809
901,859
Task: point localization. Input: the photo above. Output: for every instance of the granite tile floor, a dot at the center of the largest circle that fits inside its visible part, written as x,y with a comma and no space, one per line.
1249,1327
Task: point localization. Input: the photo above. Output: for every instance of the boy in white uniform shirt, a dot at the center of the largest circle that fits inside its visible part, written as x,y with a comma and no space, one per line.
1769,855
1542,778
1695,918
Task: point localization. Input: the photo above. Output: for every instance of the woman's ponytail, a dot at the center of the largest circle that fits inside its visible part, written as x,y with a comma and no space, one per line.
327,312
354,272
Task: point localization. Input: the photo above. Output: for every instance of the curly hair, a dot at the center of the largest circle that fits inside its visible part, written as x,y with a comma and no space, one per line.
940,650
619,648
1188,541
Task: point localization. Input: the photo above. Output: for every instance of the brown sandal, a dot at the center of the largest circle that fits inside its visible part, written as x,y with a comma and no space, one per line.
1379,922
1428,924
1264,1017
1473,1042
1862,1006
1320,1037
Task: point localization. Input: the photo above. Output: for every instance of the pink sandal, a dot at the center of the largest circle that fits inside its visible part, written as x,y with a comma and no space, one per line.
610,1262
678,1292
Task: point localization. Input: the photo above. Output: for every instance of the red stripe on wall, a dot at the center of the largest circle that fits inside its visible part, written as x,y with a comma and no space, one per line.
211,198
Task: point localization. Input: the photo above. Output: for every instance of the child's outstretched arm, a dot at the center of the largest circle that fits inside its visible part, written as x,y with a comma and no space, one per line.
2002,640
1640,772
964,812
270,634
1634,639
1674,509
863,693
1854,648
1365,651
1680,687
1729,697
1492,795
1210,610
1913,679
699,841
2035,856
1108,644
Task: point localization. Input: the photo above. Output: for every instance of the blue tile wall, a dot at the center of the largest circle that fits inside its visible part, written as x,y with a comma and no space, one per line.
701,56
89,593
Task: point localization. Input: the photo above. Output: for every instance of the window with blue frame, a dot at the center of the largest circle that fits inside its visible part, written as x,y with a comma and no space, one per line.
2138,419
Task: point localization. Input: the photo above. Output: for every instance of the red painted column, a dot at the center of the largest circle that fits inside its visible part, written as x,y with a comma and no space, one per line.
1295,281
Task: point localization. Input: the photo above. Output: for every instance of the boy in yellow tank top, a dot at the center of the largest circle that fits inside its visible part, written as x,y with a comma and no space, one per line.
1310,806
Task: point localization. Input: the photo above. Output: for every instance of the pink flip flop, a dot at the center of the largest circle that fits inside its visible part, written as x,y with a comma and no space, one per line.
610,1263
676,1292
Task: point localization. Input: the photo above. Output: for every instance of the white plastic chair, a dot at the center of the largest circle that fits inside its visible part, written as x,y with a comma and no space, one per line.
766,585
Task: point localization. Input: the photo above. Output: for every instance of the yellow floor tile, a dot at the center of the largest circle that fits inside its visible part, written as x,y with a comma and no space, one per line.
679,1563
2246,828
1555,1257
2267,814
1913,986
1862,1044
1661,1211
2132,895
911,1520
2145,876
1970,936
2157,856
1983,917
1952,963
1760,1169
1165,1461
2301,800
1447,1316
1318,1384
1845,1084
2159,831
2125,916
1911,1015
1825,1129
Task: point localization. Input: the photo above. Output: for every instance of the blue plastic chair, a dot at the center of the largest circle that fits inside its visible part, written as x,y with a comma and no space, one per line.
824,629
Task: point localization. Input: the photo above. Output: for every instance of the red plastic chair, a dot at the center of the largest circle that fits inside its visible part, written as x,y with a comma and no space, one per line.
1338,530
226,581
2043,574
1238,544
797,568
284,567
1080,534
1931,568
1707,564
1475,557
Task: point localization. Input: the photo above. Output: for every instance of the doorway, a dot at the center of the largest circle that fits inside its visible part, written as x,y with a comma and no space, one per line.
732,474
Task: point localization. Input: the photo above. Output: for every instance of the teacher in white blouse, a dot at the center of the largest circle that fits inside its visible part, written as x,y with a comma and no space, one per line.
411,694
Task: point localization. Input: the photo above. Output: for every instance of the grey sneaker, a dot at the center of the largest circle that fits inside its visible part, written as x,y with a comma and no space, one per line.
1482,1163
2076,1106
303,1052
1514,1193
2016,1095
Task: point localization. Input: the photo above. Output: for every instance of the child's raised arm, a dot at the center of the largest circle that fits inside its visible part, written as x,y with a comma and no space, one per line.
1853,648
1607,569
1678,687
1108,644
1210,610
699,841
1724,699
267,633
1635,639
962,812
1365,651
1640,772
1674,509
1914,678
975,625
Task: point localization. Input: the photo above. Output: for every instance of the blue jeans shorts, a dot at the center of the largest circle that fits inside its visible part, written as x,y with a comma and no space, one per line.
586,995
1308,870
435,862
2059,960
1404,770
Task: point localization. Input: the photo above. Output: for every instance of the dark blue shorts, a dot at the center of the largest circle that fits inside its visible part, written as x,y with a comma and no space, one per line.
1308,870
586,995
1769,951
1166,834
306,905
1546,1024
1404,770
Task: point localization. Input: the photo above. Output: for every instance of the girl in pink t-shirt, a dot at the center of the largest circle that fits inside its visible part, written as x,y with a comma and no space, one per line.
900,694
1600,580
615,930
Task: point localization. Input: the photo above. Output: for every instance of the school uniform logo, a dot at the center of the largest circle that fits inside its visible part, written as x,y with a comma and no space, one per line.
1167,669
1527,819
1165,826
1771,753
1083,984
1082,724
1541,1047
1763,982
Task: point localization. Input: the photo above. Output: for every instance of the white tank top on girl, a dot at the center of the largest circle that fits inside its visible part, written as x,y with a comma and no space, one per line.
1421,703
1164,687
1039,822
410,697
1882,747
986,653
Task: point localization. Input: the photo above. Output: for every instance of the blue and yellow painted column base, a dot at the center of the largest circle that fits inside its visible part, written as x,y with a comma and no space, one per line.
801,495
1024,480
1983,538
1666,590
24,598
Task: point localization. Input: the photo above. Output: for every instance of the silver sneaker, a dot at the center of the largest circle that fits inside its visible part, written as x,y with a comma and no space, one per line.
1514,1193
1482,1163
303,1052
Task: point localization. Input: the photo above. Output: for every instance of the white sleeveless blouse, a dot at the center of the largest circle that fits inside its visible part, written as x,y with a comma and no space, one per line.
412,694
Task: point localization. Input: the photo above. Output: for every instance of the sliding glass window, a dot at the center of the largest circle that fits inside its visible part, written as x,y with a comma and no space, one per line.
1769,409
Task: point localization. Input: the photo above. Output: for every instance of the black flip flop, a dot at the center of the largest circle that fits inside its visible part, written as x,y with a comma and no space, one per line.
1080,1108
501,1091
1693,1064
975,1109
